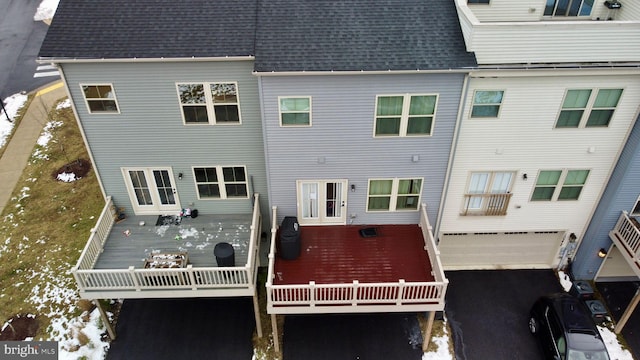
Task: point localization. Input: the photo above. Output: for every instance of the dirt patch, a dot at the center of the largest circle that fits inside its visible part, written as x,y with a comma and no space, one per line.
19,328
72,171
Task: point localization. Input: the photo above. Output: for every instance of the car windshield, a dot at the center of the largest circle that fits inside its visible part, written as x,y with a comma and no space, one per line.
587,355
586,347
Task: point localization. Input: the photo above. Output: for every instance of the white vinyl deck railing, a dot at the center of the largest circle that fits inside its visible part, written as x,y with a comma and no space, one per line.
356,296
136,282
627,232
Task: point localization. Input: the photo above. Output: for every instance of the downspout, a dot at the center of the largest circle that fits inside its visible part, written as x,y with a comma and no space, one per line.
84,137
265,143
452,154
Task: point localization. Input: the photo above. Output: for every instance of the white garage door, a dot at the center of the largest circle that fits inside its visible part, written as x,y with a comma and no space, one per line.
500,250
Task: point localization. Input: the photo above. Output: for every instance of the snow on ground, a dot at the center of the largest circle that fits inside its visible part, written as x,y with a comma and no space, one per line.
442,353
12,104
616,352
46,10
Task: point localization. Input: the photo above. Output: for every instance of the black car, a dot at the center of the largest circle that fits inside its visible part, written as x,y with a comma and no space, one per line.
565,329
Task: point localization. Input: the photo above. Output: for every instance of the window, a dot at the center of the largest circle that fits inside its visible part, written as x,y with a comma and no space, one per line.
478,1
221,182
100,98
568,7
486,103
547,188
405,115
295,111
394,194
488,193
209,103
588,108
636,208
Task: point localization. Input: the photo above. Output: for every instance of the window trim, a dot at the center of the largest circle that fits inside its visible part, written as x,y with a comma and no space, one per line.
589,107
393,201
478,2
209,103
636,205
404,116
473,104
294,97
86,100
557,188
221,182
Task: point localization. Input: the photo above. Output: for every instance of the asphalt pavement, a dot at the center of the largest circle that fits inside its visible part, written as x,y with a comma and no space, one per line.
617,296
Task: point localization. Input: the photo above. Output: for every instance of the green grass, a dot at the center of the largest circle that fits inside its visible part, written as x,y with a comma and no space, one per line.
45,226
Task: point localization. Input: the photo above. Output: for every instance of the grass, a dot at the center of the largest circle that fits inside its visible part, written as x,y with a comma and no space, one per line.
45,226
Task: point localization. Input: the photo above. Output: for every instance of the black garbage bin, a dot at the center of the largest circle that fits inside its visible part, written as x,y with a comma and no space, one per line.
290,238
225,255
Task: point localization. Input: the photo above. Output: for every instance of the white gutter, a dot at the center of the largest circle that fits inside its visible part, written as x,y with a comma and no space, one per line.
360,72
46,60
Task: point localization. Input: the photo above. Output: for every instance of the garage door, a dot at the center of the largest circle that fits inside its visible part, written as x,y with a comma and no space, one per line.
500,250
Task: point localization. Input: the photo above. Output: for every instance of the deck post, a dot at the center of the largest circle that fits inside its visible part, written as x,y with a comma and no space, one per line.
274,330
427,330
627,313
105,320
256,313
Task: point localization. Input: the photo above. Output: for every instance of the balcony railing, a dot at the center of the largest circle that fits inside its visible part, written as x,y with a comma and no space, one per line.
626,235
486,204
359,297
177,282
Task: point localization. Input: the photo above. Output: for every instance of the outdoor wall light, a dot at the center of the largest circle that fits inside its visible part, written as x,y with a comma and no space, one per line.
602,253
179,176
524,177
353,187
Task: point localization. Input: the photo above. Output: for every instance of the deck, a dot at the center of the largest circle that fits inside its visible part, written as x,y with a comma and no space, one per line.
338,271
112,264
626,236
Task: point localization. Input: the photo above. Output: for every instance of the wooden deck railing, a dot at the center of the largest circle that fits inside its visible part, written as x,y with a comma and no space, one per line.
490,204
138,282
627,231
356,296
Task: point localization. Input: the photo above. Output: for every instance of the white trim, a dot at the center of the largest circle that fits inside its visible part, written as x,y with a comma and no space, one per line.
404,116
321,201
209,102
295,97
559,185
393,202
221,182
86,100
473,99
156,207
42,60
589,107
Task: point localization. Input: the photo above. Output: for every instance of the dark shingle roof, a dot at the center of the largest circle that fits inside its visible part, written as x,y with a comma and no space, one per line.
116,29
354,35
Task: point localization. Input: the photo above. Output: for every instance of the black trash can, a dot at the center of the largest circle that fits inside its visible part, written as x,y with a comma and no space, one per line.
225,255
290,238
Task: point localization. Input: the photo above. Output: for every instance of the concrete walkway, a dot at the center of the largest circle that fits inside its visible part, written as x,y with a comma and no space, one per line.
20,147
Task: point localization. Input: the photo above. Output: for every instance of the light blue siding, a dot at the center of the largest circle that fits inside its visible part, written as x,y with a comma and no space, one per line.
342,128
149,129
621,194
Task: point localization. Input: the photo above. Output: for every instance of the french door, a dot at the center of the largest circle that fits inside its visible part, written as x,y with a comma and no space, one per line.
322,202
151,190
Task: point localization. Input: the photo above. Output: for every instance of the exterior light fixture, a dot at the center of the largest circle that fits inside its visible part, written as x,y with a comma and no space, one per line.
602,253
179,176
353,187
524,177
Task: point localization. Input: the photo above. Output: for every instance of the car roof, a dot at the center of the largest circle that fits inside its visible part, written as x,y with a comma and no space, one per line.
573,313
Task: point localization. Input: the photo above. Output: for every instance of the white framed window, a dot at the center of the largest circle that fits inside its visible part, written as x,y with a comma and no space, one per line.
394,194
221,182
553,185
568,7
486,103
295,110
209,103
478,2
100,98
404,115
636,208
488,193
588,108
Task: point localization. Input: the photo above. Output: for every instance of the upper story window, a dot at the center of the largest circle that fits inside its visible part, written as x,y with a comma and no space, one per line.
559,185
394,194
295,111
221,182
488,193
404,115
100,98
588,108
568,7
477,1
486,103
636,208
209,103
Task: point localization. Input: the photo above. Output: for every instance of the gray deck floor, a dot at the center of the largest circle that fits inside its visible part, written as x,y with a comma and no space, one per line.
129,242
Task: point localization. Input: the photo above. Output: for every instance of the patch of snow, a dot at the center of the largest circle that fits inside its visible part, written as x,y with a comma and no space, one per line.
184,233
565,280
67,177
12,104
614,348
64,104
46,10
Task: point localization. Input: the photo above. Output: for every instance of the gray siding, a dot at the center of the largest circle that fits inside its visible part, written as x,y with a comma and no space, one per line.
342,132
149,130
621,194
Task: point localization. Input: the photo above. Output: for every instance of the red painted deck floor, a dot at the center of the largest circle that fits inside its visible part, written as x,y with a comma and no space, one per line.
338,254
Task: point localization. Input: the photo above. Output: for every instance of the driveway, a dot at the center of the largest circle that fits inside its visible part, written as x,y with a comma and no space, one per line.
207,328
488,312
